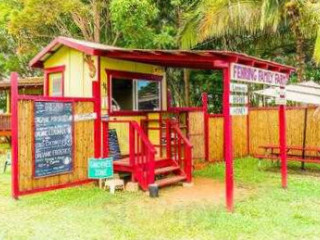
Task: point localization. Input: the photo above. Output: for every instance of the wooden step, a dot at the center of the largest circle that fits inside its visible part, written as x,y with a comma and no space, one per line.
170,180
166,170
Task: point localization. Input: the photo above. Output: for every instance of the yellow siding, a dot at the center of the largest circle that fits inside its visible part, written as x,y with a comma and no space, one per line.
77,80
122,130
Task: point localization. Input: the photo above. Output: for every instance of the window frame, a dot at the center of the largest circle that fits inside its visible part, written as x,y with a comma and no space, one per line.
133,76
48,72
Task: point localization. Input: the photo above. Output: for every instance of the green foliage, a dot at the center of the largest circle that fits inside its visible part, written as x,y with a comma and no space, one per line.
132,18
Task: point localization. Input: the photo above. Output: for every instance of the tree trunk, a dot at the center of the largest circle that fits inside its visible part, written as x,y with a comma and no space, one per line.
300,56
97,20
186,79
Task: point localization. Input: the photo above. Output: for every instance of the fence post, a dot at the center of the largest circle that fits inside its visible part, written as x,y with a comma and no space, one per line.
188,166
206,125
282,140
14,136
151,167
168,139
105,139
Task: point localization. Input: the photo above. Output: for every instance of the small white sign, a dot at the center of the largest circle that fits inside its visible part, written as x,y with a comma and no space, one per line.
238,111
85,117
281,101
281,92
238,88
238,99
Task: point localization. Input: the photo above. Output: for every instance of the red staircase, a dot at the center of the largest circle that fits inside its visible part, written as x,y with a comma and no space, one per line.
146,169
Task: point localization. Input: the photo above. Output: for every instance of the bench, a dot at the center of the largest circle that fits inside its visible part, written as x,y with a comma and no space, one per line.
272,152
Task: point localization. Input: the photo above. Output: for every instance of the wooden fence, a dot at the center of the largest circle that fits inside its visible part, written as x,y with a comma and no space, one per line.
77,138
261,127
83,149
240,139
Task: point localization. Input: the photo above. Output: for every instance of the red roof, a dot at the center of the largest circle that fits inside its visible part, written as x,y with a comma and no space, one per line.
202,59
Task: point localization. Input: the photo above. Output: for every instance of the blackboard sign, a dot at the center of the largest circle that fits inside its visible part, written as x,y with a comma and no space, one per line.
114,148
53,138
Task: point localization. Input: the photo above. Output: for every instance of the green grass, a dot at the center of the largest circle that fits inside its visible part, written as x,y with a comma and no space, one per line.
265,212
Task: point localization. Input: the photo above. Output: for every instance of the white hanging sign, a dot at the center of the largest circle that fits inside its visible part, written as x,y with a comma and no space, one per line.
85,117
281,101
238,111
238,99
250,74
238,88
281,92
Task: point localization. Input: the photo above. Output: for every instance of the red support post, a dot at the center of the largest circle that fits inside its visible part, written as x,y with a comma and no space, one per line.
282,140
228,149
105,139
14,137
132,143
206,124
188,163
248,131
97,109
168,139
151,167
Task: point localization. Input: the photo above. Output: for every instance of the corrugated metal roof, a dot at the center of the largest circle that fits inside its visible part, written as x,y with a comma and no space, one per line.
24,82
174,58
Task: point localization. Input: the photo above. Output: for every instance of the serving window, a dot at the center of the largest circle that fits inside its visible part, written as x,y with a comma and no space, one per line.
135,94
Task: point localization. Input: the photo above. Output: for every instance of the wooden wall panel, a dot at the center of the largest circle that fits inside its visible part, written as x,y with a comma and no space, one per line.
83,148
196,134
122,130
216,139
239,136
264,128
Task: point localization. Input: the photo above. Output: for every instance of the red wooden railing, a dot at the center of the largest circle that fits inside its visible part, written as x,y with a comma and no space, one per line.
5,122
179,148
142,156
141,152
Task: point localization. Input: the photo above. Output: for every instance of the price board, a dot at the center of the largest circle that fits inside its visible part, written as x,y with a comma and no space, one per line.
238,99
53,138
238,88
238,111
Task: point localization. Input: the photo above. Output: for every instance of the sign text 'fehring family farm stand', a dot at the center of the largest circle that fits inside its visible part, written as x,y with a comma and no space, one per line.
84,72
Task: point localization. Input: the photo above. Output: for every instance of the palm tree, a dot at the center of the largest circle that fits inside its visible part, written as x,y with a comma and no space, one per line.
228,18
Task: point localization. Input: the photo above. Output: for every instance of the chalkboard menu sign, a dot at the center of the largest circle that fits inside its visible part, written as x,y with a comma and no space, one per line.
53,138
114,148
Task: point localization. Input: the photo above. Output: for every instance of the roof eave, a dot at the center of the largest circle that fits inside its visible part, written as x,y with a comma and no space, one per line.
36,62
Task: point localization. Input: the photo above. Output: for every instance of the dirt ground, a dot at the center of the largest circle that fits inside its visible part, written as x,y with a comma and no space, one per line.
203,190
